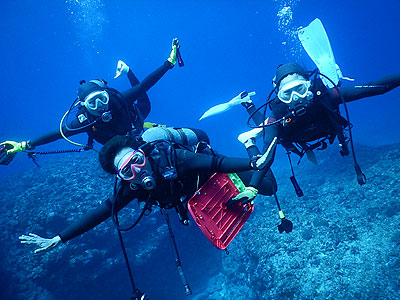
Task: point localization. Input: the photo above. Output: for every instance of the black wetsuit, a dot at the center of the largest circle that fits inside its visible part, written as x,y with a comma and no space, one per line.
128,108
188,165
314,124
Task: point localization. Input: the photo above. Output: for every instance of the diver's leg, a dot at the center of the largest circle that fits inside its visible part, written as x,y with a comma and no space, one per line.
266,186
257,117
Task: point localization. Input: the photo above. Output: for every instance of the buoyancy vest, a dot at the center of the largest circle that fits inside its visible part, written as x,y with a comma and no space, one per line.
171,190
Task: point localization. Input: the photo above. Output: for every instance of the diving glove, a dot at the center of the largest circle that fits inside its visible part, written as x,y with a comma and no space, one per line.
9,149
174,50
122,69
244,197
15,147
43,244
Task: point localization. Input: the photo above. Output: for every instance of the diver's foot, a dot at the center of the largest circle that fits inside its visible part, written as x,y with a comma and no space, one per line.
251,134
247,104
243,97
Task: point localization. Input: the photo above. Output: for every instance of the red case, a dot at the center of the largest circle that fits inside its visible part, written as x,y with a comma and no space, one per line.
219,223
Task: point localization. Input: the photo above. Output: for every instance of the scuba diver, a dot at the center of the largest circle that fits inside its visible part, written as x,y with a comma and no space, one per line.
197,140
305,115
160,173
102,112
305,111
145,171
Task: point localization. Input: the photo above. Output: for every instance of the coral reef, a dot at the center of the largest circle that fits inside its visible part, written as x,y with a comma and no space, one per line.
344,245
345,240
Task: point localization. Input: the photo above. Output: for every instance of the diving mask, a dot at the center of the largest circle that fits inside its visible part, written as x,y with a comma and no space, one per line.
294,90
131,164
132,167
97,102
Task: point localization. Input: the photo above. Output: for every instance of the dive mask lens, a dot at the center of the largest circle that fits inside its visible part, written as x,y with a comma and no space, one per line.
132,165
299,88
97,100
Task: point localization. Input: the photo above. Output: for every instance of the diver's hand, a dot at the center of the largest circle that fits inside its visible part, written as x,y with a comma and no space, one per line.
244,197
9,149
15,147
43,243
122,69
172,56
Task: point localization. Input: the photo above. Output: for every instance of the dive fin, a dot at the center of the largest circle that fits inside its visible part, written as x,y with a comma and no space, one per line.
220,108
311,156
253,133
122,69
316,43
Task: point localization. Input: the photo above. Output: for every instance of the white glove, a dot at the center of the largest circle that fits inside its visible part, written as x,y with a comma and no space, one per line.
43,243
122,69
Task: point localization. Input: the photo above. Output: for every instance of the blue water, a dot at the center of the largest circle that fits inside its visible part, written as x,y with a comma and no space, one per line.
47,47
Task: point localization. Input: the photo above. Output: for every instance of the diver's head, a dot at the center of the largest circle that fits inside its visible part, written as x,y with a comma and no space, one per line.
94,97
122,156
287,69
292,84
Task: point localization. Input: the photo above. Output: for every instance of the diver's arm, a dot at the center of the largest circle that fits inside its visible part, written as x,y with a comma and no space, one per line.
373,88
187,162
48,138
132,78
257,117
13,148
93,218
270,142
44,244
56,135
257,182
143,101
90,220
87,222
134,92
267,186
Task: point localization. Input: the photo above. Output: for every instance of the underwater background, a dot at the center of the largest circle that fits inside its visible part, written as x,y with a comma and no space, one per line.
346,238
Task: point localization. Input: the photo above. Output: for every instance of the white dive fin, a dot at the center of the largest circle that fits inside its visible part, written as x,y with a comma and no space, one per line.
316,43
251,134
254,133
122,69
220,108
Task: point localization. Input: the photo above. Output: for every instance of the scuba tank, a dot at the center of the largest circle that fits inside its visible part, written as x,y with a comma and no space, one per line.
183,136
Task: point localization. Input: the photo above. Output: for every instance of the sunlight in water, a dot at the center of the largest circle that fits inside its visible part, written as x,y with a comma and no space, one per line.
286,25
88,17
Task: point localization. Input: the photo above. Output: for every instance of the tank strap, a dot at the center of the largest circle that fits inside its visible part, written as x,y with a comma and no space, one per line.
183,136
170,135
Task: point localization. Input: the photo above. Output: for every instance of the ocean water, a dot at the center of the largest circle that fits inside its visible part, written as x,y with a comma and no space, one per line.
49,46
